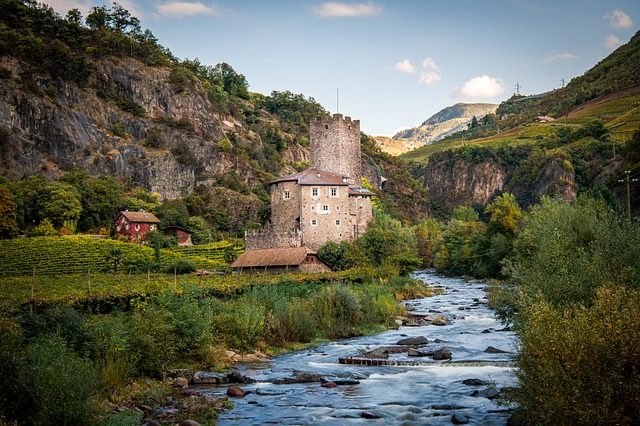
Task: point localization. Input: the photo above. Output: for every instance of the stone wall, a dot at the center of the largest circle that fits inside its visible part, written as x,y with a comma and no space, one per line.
335,146
268,237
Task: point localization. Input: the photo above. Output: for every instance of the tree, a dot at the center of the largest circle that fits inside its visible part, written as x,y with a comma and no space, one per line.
505,213
99,18
8,213
114,257
465,214
59,202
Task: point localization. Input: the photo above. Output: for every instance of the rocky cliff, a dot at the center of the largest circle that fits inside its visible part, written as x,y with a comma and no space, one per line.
165,141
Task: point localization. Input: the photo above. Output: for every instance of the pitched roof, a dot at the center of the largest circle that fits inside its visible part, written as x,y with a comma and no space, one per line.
315,177
140,217
283,256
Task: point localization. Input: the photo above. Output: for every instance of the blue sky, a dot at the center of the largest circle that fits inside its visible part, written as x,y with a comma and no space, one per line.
393,63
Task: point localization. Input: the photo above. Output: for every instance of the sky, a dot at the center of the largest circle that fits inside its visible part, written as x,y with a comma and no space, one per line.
390,63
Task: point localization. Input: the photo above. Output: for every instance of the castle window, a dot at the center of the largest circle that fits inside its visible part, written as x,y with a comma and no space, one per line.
334,192
314,192
337,208
287,195
337,222
314,222
313,208
137,226
325,208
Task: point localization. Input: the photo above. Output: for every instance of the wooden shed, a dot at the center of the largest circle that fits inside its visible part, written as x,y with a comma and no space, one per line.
278,260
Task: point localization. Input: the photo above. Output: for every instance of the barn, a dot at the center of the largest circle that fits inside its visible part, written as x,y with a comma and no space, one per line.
279,260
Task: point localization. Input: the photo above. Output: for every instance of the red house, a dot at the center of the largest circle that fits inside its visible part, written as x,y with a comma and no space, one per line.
135,225
182,234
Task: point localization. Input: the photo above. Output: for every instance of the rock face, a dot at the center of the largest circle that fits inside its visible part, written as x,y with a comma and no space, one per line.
129,120
454,181
445,122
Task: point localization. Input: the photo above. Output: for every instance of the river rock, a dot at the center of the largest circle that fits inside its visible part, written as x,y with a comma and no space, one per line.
237,392
420,340
381,352
179,372
473,382
442,353
489,393
299,377
459,419
329,385
237,377
370,415
180,382
341,381
208,378
492,350
189,422
420,352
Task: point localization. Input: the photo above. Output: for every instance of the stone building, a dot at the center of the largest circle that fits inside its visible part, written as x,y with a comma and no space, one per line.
323,203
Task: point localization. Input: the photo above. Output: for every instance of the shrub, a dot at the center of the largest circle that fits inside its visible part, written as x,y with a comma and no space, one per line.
180,267
338,310
59,382
581,365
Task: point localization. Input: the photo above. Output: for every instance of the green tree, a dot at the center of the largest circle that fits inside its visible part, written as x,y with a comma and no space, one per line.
8,213
505,213
59,202
114,258
465,214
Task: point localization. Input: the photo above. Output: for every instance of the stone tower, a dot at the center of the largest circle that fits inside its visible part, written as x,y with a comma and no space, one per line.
335,147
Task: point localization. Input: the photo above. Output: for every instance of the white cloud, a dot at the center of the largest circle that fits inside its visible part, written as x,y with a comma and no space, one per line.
178,9
480,87
613,42
430,72
340,10
558,57
405,67
618,19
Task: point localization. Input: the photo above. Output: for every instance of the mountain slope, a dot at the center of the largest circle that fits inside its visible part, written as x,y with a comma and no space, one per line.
440,125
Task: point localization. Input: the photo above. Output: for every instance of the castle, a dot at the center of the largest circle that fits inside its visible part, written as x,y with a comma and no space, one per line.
325,202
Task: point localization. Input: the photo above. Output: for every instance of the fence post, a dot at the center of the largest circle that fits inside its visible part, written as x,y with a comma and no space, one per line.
33,282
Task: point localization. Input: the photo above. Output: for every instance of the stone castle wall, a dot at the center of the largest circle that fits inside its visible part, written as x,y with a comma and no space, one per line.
268,237
335,146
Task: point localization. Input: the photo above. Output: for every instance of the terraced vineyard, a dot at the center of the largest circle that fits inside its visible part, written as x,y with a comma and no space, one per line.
51,256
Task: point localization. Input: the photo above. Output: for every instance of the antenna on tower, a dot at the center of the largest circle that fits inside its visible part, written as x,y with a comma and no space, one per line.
562,83
518,88
337,100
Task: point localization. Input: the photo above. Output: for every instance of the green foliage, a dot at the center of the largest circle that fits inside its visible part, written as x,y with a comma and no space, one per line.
579,365
8,212
180,267
59,383
465,214
505,213
44,229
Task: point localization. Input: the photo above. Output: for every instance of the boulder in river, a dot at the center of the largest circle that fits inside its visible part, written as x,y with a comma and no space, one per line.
492,350
370,415
420,340
473,382
459,419
329,385
442,353
237,392
208,378
420,352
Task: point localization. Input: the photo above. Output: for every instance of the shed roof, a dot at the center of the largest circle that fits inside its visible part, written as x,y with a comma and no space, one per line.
283,256
140,217
315,177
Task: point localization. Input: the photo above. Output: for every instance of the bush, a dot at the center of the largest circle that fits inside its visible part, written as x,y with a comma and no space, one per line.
180,267
581,365
59,382
338,310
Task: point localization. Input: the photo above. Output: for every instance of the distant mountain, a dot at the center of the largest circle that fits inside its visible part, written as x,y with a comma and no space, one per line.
447,121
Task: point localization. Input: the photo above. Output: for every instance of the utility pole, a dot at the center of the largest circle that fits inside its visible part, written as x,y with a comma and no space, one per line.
628,180
562,83
518,87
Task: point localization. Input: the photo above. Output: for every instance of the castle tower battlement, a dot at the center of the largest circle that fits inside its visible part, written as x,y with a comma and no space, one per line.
335,146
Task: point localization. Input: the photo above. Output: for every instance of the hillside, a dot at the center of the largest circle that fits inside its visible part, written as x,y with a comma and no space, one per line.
585,150
440,125
101,96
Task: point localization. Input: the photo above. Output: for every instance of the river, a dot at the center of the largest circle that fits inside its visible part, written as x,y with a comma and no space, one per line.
426,394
